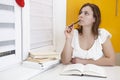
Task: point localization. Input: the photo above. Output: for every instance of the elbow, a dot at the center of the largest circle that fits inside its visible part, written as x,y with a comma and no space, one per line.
113,62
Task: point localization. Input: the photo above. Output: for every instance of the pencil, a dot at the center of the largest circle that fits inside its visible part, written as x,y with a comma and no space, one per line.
73,24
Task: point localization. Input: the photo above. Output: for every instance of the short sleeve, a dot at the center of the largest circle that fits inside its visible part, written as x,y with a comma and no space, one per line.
72,44
74,38
103,35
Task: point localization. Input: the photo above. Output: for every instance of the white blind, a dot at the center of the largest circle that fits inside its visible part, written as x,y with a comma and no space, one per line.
7,27
10,33
41,23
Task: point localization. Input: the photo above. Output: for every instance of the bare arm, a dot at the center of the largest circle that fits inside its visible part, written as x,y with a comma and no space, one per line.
66,55
108,59
109,54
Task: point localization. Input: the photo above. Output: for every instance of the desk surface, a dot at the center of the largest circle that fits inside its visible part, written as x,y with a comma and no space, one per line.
113,73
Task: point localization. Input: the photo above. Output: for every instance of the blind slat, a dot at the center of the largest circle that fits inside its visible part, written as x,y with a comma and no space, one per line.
7,26
7,46
7,16
8,29
7,2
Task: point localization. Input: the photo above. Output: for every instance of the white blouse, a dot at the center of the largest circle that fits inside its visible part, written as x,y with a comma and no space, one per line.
95,52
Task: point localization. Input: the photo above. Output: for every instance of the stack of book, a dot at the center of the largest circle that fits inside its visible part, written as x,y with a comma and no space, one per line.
42,61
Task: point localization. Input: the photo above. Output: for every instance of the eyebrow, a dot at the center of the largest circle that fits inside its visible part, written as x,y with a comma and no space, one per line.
84,11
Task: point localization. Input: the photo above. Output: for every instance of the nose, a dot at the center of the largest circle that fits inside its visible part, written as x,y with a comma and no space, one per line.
80,16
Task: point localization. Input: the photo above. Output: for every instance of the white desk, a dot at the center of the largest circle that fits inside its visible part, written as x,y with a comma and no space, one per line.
113,73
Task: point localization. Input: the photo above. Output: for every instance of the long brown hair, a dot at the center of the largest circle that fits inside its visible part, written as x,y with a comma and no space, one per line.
96,15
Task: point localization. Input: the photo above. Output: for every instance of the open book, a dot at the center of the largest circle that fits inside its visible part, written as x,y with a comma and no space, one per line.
84,70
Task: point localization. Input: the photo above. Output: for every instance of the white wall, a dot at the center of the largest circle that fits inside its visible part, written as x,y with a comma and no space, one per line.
59,14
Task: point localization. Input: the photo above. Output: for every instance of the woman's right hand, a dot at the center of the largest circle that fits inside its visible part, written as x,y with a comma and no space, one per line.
69,32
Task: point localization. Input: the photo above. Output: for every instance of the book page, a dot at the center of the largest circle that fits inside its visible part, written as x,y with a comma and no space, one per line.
51,55
38,60
73,69
91,69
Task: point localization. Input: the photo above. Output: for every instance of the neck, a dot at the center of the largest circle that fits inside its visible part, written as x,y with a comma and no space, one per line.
87,31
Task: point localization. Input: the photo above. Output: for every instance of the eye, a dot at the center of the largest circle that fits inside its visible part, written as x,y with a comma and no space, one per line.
86,13
80,12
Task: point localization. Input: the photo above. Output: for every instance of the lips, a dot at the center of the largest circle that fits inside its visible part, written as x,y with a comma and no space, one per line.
81,21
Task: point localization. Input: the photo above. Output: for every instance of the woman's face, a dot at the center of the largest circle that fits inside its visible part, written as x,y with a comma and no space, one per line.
86,16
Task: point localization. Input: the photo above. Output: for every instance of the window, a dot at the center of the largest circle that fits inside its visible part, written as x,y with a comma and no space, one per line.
43,25
10,33
38,28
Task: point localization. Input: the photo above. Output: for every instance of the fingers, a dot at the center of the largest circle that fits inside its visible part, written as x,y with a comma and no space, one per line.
73,61
69,28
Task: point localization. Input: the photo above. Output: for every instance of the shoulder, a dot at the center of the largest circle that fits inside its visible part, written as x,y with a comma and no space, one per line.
102,30
103,35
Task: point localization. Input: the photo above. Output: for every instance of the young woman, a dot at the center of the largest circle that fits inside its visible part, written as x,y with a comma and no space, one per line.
88,44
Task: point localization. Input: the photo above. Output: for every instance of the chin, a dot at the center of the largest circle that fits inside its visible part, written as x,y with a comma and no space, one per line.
81,23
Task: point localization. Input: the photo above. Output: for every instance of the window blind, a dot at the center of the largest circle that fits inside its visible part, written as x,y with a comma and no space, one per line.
41,23
10,34
7,28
